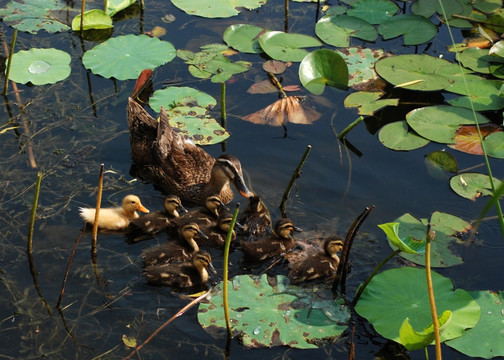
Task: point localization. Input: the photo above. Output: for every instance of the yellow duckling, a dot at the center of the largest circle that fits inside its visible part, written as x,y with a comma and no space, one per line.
321,265
193,273
117,218
272,245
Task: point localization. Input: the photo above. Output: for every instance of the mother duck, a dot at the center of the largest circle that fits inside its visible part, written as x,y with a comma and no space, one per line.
164,157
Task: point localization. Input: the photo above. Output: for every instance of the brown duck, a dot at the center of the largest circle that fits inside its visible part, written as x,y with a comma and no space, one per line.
164,157
255,219
205,216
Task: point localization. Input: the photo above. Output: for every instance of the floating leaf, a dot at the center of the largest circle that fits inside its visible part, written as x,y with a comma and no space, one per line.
399,136
441,161
323,67
274,66
467,138
494,144
415,28
415,340
368,102
244,38
93,19
473,185
408,244
286,46
486,339
216,9
373,11
129,341
115,6
476,59
483,94
32,16
174,96
360,63
336,30
202,130
440,123
427,8
398,294
40,66
283,111
270,312
124,57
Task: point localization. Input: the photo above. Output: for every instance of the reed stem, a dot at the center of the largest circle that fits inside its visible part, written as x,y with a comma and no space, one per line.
97,213
431,234
296,174
29,245
11,52
227,245
223,104
105,6
83,9
346,130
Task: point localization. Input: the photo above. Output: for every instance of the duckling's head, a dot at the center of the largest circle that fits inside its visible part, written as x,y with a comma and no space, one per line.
224,221
332,245
228,168
284,227
202,261
173,205
214,204
188,231
255,205
131,203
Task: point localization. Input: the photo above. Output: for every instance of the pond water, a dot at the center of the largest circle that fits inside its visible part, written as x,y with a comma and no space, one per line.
104,302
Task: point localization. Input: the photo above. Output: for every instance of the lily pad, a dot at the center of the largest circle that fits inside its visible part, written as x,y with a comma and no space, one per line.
124,57
416,340
216,9
440,123
467,138
486,339
32,16
494,145
415,28
476,59
368,102
399,136
286,46
40,66
398,294
202,130
408,244
323,67
244,38
93,19
440,161
427,8
270,312
482,94
115,6
473,185
373,11
174,96
336,30
360,62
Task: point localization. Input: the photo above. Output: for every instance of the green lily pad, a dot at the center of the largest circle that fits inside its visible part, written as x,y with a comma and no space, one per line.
486,339
482,94
415,28
174,96
40,66
399,136
286,46
439,123
115,6
323,67
32,16
270,312
373,11
244,38
446,227
497,49
408,244
488,6
473,185
202,130
124,57
476,59
216,9
336,30
93,19
368,102
427,8
494,145
398,294
440,162
360,63
421,72
416,340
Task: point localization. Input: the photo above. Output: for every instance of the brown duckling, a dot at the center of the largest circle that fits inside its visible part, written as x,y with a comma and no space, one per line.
173,251
117,218
321,265
192,273
217,234
272,245
158,221
180,167
204,217
256,219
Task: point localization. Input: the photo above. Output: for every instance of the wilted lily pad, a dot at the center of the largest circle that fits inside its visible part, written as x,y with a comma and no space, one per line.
175,96
40,66
93,19
399,136
467,138
244,38
270,312
283,111
323,67
216,9
124,57
336,30
202,130
360,62
415,28
473,185
368,102
398,294
286,46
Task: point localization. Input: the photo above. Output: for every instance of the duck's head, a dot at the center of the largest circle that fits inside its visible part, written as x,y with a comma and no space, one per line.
332,245
203,260
214,204
285,227
228,168
173,205
131,203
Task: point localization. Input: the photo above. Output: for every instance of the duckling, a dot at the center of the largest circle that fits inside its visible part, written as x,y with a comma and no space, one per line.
193,273
174,251
156,222
164,157
256,219
217,234
272,245
117,218
206,216
321,265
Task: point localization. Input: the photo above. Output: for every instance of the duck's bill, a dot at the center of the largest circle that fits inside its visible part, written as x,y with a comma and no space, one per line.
182,208
242,188
143,209
297,229
212,269
201,234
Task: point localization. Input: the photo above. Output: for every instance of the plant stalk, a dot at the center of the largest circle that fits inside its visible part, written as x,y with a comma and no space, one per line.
227,245
431,234
29,245
97,213
11,52
223,104
105,6
295,175
67,271
346,130
275,82
83,9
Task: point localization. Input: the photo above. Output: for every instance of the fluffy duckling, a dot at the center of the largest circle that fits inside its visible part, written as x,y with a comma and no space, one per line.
193,273
156,222
216,235
117,218
204,217
272,245
173,251
321,265
256,219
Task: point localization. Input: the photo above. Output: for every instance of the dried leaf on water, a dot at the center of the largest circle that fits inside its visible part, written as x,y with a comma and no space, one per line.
288,109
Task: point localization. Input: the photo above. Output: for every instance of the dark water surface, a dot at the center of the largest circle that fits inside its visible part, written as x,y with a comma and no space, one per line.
336,186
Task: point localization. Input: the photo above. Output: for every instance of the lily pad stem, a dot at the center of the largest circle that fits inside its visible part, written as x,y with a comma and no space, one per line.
97,213
11,52
223,104
105,6
83,9
350,127
431,234
227,245
275,82
295,175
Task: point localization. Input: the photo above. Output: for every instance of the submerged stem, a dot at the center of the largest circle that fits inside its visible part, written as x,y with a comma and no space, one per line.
295,175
